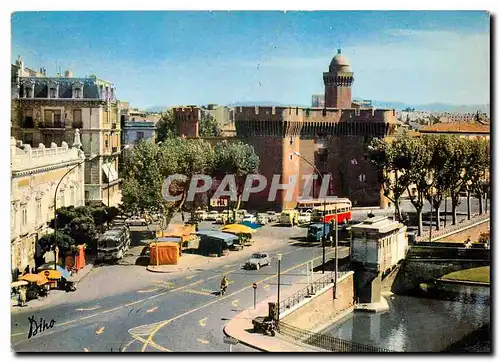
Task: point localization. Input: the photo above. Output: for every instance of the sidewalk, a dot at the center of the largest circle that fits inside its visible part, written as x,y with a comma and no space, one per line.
241,328
54,294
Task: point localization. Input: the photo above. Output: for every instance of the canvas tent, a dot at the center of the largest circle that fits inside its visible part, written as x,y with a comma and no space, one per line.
215,242
168,253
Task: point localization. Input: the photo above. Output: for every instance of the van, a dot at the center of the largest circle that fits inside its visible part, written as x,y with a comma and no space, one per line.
113,244
289,217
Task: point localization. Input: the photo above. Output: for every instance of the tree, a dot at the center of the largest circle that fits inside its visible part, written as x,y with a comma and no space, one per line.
238,159
64,242
391,166
166,127
82,230
416,157
209,127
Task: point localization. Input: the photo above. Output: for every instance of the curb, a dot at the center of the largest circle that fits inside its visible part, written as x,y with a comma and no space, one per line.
152,269
243,343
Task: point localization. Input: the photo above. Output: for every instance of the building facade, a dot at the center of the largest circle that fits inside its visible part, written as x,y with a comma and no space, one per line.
48,110
137,125
35,173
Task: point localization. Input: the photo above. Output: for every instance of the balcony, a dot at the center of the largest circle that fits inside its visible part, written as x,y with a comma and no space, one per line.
78,124
55,124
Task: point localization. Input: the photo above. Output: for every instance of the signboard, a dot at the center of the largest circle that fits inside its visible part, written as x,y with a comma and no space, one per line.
254,285
218,202
230,340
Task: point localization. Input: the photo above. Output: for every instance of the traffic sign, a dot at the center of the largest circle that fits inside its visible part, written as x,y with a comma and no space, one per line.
230,340
254,285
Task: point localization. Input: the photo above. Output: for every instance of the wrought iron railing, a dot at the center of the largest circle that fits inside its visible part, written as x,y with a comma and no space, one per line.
325,341
307,291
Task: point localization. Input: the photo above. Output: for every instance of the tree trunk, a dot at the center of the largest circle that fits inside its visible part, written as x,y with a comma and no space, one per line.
420,221
468,206
397,210
238,202
480,199
438,218
453,213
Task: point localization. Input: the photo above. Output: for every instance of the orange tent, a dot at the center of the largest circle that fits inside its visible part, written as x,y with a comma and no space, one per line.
168,253
80,258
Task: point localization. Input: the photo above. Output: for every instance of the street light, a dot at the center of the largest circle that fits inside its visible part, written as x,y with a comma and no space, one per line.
296,153
279,255
109,166
55,206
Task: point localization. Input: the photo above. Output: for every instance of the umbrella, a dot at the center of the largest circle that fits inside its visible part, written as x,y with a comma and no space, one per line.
50,274
19,283
50,267
250,224
238,229
34,278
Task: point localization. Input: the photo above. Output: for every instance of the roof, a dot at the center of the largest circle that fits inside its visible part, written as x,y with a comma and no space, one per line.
217,235
460,127
381,224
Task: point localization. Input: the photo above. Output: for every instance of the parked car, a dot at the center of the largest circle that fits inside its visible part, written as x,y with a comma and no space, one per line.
272,216
212,215
257,260
262,219
304,218
250,218
136,221
200,215
289,217
221,218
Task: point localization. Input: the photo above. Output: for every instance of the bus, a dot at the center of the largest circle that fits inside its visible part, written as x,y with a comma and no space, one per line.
113,244
308,205
342,206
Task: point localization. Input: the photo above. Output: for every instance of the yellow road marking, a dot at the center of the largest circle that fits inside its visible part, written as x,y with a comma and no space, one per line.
266,286
152,344
147,290
85,350
201,322
151,310
149,340
204,341
235,302
99,331
87,309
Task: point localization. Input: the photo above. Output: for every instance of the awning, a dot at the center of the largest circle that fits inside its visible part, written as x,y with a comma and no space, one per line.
109,171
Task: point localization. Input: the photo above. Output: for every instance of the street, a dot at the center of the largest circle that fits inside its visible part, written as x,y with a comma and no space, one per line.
178,313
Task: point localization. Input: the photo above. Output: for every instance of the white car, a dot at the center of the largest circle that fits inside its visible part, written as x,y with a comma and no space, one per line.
262,219
257,260
212,215
304,218
250,218
272,216
201,215
136,221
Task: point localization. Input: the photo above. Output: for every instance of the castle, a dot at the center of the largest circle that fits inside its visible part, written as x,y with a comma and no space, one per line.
334,138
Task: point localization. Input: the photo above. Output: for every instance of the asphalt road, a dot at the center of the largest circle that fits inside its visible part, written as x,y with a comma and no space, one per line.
184,314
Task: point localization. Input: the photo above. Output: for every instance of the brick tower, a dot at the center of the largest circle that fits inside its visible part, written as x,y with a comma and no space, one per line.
338,81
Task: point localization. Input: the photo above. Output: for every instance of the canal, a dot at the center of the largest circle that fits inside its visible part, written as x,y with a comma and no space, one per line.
416,324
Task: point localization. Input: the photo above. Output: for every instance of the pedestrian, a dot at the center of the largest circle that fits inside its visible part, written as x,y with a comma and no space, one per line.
22,296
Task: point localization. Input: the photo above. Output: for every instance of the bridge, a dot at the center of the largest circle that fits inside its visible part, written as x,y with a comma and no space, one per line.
424,263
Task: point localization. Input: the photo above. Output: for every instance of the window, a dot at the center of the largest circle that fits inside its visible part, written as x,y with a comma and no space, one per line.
47,116
78,93
52,93
362,177
72,195
24,215
28,119
57,115
87,195
140,136
77,115
38,210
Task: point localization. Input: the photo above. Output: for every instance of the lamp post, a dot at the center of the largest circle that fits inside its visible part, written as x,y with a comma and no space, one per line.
55,207
109,166
279,255
324,207
336,253
430,226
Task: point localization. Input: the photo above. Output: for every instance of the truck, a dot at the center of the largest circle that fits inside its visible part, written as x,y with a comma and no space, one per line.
315,232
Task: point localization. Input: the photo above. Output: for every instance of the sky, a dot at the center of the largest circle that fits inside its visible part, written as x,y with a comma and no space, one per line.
178,58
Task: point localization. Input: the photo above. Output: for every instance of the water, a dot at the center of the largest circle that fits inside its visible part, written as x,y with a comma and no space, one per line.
414,324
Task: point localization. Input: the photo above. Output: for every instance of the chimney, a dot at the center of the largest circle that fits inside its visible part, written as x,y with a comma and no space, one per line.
68,74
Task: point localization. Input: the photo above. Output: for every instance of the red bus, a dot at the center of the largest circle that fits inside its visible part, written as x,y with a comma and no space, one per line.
337,209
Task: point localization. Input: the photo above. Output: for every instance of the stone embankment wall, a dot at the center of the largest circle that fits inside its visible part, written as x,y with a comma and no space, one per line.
322,308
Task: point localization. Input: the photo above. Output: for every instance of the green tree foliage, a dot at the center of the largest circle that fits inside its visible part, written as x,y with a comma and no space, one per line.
236,158
166,127
209,126
64,242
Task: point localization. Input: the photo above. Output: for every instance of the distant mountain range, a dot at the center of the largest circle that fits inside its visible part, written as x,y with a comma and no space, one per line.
431,107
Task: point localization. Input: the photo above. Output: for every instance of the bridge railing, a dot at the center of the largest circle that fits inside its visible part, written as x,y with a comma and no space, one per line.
430,252
462,225
325,341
